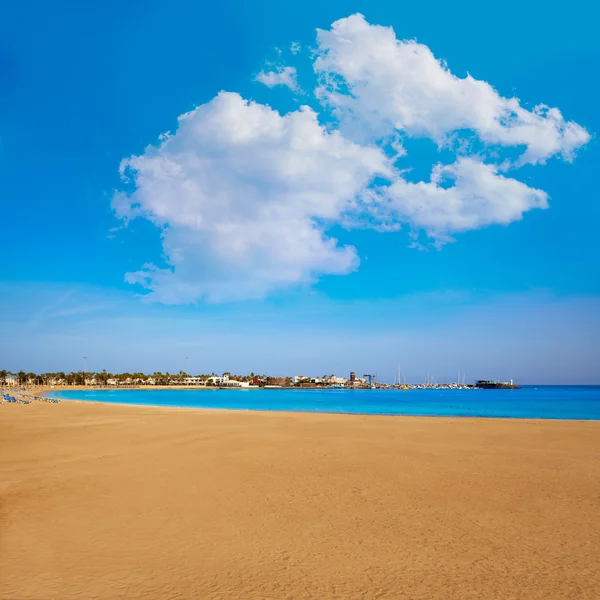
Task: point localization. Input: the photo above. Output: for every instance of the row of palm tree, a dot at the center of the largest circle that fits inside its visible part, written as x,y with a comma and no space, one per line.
22,377
103,377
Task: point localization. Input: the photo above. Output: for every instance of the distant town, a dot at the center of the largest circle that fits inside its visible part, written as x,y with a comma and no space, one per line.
225,380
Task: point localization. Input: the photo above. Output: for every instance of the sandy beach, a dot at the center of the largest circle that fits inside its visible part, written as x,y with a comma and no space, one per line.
105,501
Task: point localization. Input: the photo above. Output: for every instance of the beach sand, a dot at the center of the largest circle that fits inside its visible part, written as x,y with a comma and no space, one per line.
104,501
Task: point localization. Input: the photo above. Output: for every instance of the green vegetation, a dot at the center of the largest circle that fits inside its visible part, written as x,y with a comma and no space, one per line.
104,378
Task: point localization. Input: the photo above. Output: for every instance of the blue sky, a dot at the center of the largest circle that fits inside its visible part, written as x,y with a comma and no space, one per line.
246,275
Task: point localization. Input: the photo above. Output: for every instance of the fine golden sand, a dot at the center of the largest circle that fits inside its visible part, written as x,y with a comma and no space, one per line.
102,501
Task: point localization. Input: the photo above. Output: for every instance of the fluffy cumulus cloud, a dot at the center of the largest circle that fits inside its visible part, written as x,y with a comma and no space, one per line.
462,196
286,76
378,84
244,196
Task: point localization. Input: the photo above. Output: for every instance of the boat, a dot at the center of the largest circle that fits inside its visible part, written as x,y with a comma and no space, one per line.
487,384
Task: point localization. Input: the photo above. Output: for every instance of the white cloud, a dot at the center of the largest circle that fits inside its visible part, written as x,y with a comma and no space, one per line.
378,84
478,197
243,195
295,47
286,76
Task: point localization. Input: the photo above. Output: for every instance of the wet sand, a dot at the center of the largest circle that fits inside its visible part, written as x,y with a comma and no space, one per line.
104,501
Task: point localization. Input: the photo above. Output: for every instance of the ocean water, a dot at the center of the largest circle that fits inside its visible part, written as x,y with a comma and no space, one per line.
537,402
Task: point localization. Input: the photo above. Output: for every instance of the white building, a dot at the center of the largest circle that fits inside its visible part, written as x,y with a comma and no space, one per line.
226,382
12,380
332,380
194,381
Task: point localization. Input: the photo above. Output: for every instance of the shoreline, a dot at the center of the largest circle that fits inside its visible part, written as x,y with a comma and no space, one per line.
48,391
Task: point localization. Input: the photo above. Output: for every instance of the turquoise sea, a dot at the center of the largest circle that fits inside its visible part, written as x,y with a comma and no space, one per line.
529,402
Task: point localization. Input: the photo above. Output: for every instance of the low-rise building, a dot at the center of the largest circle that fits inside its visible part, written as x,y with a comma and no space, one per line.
225,381
331,380
194,381
355,382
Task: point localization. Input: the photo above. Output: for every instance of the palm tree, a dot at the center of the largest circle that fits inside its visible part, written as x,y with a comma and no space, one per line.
22,376
3,375
74,376
102,377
